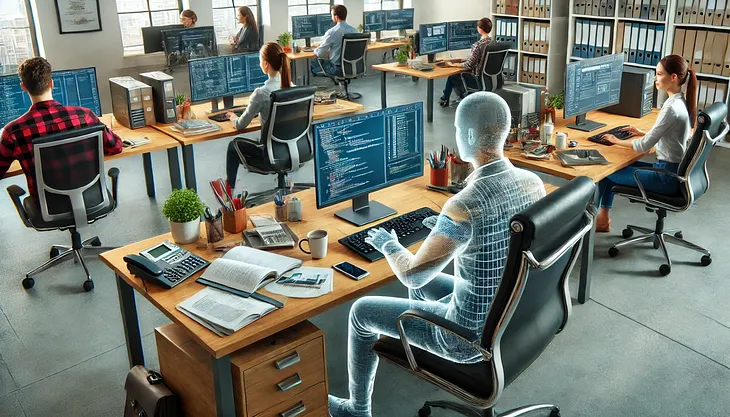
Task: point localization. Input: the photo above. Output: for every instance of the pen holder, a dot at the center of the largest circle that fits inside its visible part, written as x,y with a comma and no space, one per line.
440,177
280,213
294,210
214,230
235,221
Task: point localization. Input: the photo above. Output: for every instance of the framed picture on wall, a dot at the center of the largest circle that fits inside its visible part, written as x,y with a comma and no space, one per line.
77,16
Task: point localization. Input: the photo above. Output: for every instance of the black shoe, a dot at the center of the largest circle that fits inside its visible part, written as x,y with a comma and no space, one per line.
444,102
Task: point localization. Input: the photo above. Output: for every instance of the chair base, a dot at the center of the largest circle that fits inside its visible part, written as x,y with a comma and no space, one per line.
466,410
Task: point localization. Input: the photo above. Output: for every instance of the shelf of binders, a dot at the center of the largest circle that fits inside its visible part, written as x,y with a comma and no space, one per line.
710,14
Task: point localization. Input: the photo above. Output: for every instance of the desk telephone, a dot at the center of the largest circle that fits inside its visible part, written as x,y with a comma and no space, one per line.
165,264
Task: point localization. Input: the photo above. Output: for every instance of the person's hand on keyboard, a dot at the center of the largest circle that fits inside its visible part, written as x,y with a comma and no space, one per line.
611,138
379,237
633,130
231,116
430,222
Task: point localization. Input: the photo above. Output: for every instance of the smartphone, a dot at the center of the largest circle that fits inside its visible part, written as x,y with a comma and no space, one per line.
352,271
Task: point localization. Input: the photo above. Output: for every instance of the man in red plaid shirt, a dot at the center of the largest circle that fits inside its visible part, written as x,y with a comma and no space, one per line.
45,116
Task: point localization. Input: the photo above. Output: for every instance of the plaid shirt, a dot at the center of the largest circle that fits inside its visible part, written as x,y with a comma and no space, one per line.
474,63
44,118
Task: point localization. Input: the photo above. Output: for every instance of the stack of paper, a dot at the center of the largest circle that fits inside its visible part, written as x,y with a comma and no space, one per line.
195,127
223,313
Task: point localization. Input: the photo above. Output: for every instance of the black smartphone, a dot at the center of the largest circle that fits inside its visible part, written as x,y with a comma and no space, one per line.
352,271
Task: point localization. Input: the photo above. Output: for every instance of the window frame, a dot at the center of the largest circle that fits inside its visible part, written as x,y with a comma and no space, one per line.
289,6
234,8
400,5
149,15
30,18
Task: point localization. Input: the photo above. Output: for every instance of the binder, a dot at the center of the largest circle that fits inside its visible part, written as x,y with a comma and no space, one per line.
627,42
710,12
654,10
589,7
584,40
622,8
506,31
513,38
523,76
525,8
547,8
525,36
544,31
599,40
726,19
596,11
707,57
718,52
689,46
658,44
611,7
500,30
694,11
711,91
701,9
726,67
634,41
702,95
530,8
645,6
641,46
687,11
606,38
531,70
720,93
680,12
604,8
637,9
534,37
698,50
719,12
540,9
543,71
649,49
620,38
579,7
662,13
592,39
678,42
577,37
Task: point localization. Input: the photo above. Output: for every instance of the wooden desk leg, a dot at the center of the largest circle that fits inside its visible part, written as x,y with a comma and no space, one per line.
173,162
223,384
130,321
149,176
383,92
189,167
586,262
429,102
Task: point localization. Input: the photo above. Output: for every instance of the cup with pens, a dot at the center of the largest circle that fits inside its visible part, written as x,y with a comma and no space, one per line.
439,168
234,208
280,206
213,225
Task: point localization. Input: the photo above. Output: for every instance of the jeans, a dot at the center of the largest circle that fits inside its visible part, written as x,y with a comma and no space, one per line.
651,181
454,82
329,67
233,161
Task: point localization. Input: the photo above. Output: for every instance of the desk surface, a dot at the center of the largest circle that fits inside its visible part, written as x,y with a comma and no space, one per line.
374,46
618,156
406,197
437,72
158,141
201,111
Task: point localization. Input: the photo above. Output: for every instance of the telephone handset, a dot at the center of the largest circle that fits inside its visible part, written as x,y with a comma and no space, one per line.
145,269
165,264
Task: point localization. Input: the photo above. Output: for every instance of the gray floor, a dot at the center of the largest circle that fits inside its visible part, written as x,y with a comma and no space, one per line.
644,346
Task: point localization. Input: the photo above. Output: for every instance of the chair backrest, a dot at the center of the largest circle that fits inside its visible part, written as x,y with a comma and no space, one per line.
711,127
354,54
287,136
492,65
532,303
69,174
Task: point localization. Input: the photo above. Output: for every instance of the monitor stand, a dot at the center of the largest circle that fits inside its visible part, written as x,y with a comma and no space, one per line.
431,58
585,125
227,104
364,211
377,36
308,42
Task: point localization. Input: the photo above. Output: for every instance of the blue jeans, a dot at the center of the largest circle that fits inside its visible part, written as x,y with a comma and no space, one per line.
329,67
454,82
651,181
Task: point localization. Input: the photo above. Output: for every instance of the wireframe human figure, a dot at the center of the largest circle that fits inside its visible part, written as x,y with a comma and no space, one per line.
472,229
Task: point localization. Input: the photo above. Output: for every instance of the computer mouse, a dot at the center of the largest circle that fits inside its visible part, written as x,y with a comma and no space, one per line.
572,144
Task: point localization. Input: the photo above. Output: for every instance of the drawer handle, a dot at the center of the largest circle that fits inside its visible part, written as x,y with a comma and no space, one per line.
290,382
288,361
294,411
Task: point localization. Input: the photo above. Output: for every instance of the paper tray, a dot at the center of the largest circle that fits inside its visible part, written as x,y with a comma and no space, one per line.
578,157
253,240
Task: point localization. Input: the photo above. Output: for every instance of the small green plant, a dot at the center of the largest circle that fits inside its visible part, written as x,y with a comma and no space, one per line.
360,28
183,206
180,99
285,39
555,101
402,54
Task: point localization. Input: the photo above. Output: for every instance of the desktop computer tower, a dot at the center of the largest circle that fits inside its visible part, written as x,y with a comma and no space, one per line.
163,95
520,99
637,93
132,102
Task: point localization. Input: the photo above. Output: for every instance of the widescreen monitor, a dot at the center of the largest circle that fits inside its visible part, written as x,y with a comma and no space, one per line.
182,45
462,35
433,38
311,26
399,19
152,37
223,76
592,84
374,21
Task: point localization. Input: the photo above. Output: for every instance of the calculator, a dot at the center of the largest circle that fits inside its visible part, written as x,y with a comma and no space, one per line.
176,263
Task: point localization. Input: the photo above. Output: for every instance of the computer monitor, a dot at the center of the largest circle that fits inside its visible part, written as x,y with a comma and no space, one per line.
77,87
591,84
462,35
152,37
224,76
399,19
433,38
373,21
311,26
354,156
182,45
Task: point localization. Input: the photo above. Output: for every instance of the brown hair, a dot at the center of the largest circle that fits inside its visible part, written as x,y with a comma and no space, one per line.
272,53
250,20
340,11
485,24
190,15
675,64
35,74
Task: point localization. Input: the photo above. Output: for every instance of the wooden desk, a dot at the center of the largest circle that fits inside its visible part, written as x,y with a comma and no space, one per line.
437,72
406,197
342,107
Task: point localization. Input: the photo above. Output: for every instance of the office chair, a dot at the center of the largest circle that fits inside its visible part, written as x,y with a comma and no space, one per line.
69,202
353,62
490,76
530,307
286,140
693,183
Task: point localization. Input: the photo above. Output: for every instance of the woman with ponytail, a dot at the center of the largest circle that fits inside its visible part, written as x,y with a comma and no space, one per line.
274,63
670,134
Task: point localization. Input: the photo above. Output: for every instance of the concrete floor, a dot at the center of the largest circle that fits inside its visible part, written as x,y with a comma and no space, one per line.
643,346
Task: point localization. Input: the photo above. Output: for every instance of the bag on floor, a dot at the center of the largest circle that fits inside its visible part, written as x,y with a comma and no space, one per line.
147,395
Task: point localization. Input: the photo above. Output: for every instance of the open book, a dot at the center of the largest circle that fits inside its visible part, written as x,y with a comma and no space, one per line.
223,313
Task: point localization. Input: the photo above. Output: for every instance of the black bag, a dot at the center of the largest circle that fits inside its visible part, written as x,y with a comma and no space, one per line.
147,395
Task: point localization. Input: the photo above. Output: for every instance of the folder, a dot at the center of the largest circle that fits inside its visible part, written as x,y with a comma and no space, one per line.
599,40
694,11
645,8
637,9
506,31
577,36
720,93
579,7
719,12
544,36
687,11
679,12
658,44
523,74
596,10
622,8
525,36
531,70
611,7
689,46
662,13
701,10
540,9
726,67
530,8
710,97
543,70
702,95
547,8
678,42
634,42
726,19
604,8
619,38
707,56
641,46
649,49
654,9
535,33
710,12
698,50
592,39
627,42
584,40
718,52
513,39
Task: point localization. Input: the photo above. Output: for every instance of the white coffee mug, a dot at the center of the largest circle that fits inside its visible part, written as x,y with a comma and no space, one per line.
317,240
561,141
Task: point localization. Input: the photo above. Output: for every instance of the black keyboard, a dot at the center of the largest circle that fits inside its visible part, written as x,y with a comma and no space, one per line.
221,117
409,228
616,131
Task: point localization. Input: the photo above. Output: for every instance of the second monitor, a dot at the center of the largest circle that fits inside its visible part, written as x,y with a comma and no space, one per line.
379,20
592,84
311,26
462,35
225,76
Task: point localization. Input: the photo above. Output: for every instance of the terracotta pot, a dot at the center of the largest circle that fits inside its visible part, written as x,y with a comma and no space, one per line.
287,49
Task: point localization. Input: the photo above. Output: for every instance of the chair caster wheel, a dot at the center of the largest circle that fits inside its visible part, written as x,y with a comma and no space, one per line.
706,260
54,252
665,270
28,283
656,244
679,235
96,242
613,252
555,413
627,233
88,285
425,411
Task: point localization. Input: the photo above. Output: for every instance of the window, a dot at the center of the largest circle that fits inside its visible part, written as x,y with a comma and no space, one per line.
225,19
371,5
304,7
17,40
137,14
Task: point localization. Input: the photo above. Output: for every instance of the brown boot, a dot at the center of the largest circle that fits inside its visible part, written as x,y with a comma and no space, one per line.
603,221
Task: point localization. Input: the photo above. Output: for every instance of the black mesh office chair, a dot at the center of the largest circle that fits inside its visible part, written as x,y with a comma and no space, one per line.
68,202
286,139
531,306
490,76
693,184
353,62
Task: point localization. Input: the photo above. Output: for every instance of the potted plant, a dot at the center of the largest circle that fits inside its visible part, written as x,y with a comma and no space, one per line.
180,102
402,55
183,209
554,102
285,41
360,28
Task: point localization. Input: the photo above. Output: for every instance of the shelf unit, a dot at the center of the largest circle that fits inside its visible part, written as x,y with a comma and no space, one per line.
556,37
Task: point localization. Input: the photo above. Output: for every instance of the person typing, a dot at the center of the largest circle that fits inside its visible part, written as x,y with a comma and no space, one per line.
330,50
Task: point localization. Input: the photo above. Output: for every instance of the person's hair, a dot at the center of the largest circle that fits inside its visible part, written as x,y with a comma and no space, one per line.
274,54
485,24
340,11
675,64
190,15
35,73
250,19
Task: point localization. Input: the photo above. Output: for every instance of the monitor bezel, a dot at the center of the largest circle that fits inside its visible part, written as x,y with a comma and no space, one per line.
420,40
158,29
448,33
224,57
407,8
365,27
579,63
167,52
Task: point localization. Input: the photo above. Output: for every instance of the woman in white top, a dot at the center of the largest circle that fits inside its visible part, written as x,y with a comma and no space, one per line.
274,63
670,135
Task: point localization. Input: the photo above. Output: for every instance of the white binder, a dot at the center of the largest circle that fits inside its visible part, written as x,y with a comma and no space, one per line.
627,42
599,40
606,38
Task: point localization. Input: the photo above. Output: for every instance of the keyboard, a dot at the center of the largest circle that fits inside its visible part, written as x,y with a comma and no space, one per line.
616,131
221,117
408,226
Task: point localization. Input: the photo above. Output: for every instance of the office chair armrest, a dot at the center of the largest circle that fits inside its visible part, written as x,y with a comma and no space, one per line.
15,193
432,319
652,169
114,175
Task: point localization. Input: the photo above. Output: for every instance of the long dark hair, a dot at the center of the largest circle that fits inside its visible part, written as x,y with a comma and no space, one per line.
250,20
675,64
273,53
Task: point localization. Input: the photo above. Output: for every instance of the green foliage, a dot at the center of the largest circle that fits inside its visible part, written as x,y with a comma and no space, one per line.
183,206
285,39
180,99
360,28
555,101
402,54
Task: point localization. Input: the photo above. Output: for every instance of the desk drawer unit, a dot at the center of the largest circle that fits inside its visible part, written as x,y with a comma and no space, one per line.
310,403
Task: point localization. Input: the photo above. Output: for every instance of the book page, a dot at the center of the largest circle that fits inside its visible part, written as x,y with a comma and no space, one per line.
224,311
280,263
238,275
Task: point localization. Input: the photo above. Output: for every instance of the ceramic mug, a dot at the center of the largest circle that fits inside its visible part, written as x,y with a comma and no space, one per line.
317,242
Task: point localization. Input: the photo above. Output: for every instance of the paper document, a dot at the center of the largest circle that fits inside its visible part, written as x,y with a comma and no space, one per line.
304,274
221,312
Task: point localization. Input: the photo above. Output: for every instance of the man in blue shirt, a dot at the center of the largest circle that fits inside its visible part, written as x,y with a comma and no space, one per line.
332,43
